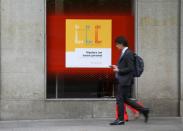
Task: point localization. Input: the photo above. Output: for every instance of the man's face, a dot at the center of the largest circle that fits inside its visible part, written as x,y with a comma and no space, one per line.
119,46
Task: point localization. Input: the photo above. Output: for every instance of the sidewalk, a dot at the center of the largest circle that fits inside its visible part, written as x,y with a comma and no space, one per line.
154,124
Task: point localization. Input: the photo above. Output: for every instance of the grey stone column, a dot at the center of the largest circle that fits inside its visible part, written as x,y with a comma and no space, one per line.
0,59
22,59
158,44
181,51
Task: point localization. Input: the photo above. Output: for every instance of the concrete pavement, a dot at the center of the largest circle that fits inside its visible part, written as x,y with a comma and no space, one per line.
154,124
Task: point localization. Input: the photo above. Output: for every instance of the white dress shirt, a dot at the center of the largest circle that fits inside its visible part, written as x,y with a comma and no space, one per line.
123,51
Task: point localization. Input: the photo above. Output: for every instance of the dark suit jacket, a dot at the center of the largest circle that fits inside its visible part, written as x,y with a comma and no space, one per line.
126,67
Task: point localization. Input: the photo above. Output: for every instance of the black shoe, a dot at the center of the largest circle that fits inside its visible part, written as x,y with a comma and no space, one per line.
117,122
146,115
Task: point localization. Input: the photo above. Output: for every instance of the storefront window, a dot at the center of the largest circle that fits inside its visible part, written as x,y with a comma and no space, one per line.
80,46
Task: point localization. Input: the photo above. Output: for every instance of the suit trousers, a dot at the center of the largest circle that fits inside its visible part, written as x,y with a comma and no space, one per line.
124,95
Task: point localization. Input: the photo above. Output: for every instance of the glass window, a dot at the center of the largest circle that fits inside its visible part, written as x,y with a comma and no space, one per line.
90,24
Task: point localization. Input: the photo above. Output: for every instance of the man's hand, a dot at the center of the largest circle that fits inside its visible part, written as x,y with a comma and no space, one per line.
115,68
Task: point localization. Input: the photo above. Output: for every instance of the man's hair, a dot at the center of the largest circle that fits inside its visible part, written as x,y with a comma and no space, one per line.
121,40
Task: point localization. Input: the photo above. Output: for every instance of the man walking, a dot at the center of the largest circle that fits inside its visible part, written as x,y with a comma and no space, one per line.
124,75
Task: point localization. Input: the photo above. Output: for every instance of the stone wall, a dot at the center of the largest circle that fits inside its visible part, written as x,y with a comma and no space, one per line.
22,91
181,61
158,27
22,58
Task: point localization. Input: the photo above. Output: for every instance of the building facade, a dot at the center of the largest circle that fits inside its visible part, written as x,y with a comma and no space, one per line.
23,63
